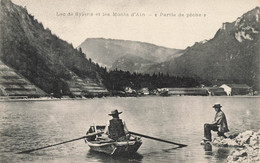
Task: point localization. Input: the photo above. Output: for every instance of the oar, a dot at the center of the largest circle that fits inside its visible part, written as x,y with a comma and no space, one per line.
31,150
149,137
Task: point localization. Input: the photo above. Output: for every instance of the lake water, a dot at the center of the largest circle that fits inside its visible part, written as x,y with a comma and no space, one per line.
32,124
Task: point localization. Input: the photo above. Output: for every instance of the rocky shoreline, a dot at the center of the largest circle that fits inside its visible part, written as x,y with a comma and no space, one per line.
246,146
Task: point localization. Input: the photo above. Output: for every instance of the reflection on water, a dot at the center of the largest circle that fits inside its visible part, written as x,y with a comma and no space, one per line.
169,150
29,125
219,154
207,147
222,153
100,157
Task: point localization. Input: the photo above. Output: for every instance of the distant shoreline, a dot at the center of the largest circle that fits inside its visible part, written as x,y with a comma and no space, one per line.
7,99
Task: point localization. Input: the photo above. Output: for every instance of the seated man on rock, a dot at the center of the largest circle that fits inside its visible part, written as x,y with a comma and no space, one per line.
219,124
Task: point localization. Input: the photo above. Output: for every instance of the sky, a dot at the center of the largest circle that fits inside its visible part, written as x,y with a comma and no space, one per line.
169,23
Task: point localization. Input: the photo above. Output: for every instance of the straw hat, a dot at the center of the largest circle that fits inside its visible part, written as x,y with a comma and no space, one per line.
217,105
114,112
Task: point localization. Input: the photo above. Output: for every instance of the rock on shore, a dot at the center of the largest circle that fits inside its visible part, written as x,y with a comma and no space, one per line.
246,145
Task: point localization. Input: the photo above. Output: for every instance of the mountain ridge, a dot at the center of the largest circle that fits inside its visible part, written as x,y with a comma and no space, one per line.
40,56
231,56
107,51
55,66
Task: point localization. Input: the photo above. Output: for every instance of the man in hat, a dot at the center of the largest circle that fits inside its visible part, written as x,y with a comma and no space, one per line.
219,124
116,128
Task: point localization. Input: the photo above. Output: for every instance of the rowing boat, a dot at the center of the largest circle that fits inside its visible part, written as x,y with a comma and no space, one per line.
103,144
115,148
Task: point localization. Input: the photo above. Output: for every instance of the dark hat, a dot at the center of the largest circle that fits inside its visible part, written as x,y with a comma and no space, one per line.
217,105
115,112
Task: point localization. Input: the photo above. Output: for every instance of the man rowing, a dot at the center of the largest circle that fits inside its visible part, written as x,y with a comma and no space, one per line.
116,128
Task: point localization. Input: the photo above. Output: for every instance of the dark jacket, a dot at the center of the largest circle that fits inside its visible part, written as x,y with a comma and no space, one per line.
116,128
221,121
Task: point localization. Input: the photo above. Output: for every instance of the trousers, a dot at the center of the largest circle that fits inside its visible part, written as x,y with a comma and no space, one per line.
208,128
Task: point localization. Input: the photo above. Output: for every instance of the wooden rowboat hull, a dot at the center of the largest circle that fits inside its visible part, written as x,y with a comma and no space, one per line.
116,148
